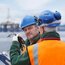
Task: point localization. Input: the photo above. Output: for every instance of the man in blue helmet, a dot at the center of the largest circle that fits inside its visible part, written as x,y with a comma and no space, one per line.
29,26
50,50
18,56
49,21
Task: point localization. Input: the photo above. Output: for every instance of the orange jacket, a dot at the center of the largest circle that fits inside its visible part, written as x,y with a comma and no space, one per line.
48,52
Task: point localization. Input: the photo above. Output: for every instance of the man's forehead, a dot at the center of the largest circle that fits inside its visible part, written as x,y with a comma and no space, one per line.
29,26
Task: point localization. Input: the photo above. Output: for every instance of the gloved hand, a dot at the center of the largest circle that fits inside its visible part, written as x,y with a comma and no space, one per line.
19,39
15,38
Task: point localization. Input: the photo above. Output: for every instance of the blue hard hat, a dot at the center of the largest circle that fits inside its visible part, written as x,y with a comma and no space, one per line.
50,19
27,21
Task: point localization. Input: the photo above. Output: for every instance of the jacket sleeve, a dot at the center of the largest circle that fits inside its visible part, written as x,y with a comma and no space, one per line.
16,57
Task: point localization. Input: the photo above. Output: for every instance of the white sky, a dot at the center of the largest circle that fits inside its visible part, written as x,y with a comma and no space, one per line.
19,8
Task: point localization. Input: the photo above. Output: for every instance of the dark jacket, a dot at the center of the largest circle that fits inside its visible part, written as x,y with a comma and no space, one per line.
50,36
15,53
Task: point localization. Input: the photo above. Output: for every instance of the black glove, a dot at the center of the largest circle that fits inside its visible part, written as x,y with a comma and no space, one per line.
22,42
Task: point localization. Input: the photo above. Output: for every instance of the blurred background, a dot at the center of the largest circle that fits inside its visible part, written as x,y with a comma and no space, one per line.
13,11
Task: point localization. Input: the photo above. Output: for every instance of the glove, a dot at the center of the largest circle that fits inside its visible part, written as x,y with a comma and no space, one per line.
15,38
19,39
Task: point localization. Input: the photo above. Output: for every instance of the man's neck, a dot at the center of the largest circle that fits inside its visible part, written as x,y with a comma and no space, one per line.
35,39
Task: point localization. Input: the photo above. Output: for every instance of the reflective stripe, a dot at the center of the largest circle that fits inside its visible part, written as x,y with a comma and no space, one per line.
30,51
35,54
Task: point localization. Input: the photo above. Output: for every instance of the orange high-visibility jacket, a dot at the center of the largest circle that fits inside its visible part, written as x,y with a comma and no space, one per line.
48,52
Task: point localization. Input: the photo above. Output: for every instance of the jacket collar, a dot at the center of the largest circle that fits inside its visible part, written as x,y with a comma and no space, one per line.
50,36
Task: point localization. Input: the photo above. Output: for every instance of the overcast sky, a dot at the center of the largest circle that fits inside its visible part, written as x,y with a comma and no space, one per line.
19,8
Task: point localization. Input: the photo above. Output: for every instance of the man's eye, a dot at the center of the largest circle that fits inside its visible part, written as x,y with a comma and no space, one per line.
30,28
